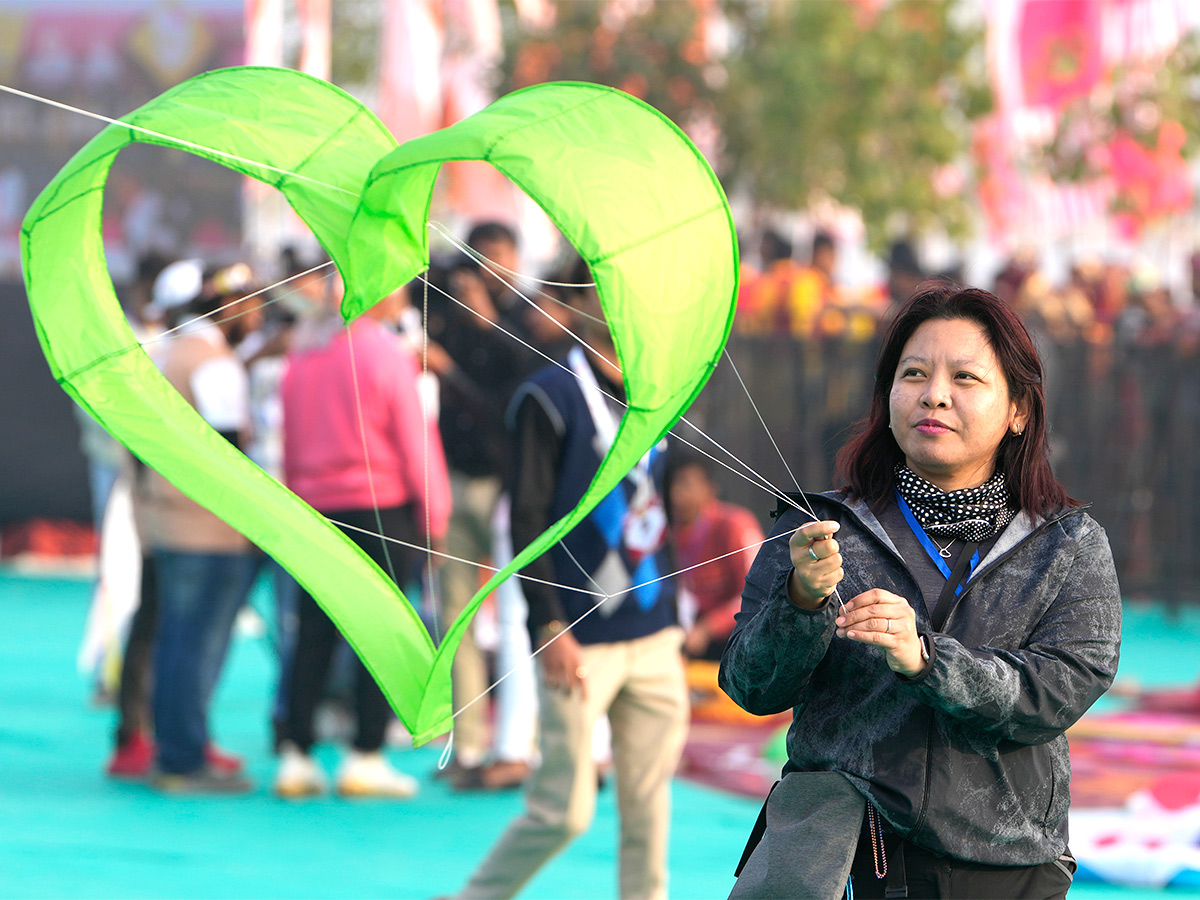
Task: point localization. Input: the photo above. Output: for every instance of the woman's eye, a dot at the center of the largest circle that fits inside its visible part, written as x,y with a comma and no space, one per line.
966,376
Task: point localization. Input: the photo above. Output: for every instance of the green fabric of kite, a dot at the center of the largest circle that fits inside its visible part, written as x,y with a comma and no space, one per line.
622,183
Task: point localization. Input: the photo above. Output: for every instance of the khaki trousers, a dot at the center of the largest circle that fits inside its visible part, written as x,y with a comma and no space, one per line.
469,536
640,685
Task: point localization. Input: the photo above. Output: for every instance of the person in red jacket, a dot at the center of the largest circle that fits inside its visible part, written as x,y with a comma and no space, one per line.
715,544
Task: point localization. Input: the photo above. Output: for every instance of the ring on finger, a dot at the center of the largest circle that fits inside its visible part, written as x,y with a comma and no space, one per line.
889,626
813,553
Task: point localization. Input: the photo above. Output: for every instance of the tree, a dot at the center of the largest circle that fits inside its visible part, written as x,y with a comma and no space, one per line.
863,104
355,36
868,105
655,53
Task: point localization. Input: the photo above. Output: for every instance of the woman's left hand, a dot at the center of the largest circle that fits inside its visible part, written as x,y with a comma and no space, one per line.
885,619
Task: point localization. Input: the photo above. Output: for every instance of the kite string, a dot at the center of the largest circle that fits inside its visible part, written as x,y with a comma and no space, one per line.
762,482
428,547
495,267
362,430
386,539
600,593
605,597
174,141
266,167
169,333
497,272
297,175
432,590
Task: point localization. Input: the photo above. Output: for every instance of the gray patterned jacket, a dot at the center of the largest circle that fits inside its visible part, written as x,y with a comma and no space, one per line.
968,759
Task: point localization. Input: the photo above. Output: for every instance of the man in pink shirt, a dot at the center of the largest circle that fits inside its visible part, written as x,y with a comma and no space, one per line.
359,448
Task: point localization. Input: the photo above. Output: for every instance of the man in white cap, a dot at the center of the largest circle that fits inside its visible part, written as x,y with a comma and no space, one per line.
204,568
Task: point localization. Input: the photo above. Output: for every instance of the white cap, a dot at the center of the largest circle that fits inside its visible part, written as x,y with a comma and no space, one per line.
176,285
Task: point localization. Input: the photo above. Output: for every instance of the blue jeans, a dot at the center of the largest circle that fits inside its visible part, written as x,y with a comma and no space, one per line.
287,617
199,596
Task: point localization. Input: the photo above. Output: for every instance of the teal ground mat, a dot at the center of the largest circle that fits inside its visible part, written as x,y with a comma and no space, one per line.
66,831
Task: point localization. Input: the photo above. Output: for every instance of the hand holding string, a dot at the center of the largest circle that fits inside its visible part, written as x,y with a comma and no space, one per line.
889,622
816,564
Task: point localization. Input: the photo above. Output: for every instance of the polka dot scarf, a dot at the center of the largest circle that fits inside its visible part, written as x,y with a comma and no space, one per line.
972,514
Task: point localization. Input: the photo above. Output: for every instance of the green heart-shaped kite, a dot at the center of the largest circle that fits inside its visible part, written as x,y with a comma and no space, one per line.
622,183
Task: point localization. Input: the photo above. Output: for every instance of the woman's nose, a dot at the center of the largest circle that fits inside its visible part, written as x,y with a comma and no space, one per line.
936,394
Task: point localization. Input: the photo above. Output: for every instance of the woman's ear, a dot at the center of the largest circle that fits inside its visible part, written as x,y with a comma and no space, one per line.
1019,417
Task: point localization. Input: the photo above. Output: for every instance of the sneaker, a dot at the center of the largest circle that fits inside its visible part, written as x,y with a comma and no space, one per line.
222,760
206,780
456,773
370,775
499,775
133,759
504,774
298,775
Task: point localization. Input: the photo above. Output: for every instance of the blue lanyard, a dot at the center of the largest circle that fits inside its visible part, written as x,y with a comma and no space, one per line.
930,548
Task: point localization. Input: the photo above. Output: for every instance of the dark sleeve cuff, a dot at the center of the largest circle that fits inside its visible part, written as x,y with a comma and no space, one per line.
932,645
781,589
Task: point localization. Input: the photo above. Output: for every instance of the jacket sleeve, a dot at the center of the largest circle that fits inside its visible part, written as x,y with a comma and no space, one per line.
1035,693
532,481
775,646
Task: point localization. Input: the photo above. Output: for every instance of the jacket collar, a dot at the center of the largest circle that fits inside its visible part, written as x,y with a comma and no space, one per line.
863,512
1021,527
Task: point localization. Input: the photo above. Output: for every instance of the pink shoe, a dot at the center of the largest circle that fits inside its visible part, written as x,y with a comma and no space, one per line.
132,759
221,761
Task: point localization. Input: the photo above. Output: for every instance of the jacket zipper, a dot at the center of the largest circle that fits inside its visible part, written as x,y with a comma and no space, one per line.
920,822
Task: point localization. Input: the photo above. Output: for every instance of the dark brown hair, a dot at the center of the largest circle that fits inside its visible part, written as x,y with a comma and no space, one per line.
865,465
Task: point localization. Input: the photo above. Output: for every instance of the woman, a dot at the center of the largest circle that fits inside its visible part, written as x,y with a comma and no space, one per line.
935,650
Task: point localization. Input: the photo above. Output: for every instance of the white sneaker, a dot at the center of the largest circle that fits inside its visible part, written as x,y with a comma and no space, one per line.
298,775
370,775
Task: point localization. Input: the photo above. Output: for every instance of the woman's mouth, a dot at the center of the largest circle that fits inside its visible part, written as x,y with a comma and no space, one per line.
933,426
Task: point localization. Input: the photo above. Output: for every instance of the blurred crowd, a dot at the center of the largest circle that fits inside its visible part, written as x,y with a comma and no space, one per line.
399,429
791,292
415,423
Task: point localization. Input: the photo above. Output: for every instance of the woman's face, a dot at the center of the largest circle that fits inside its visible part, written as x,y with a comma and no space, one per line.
949,404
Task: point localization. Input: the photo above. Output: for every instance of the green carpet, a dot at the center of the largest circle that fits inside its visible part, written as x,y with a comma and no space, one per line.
68,832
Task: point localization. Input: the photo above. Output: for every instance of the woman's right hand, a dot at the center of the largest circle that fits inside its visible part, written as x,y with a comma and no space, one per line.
816,564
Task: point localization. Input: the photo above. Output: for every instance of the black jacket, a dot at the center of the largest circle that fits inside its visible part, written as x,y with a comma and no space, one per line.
969,759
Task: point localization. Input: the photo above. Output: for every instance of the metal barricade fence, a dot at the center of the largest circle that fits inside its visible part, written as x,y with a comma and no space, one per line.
1124,423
